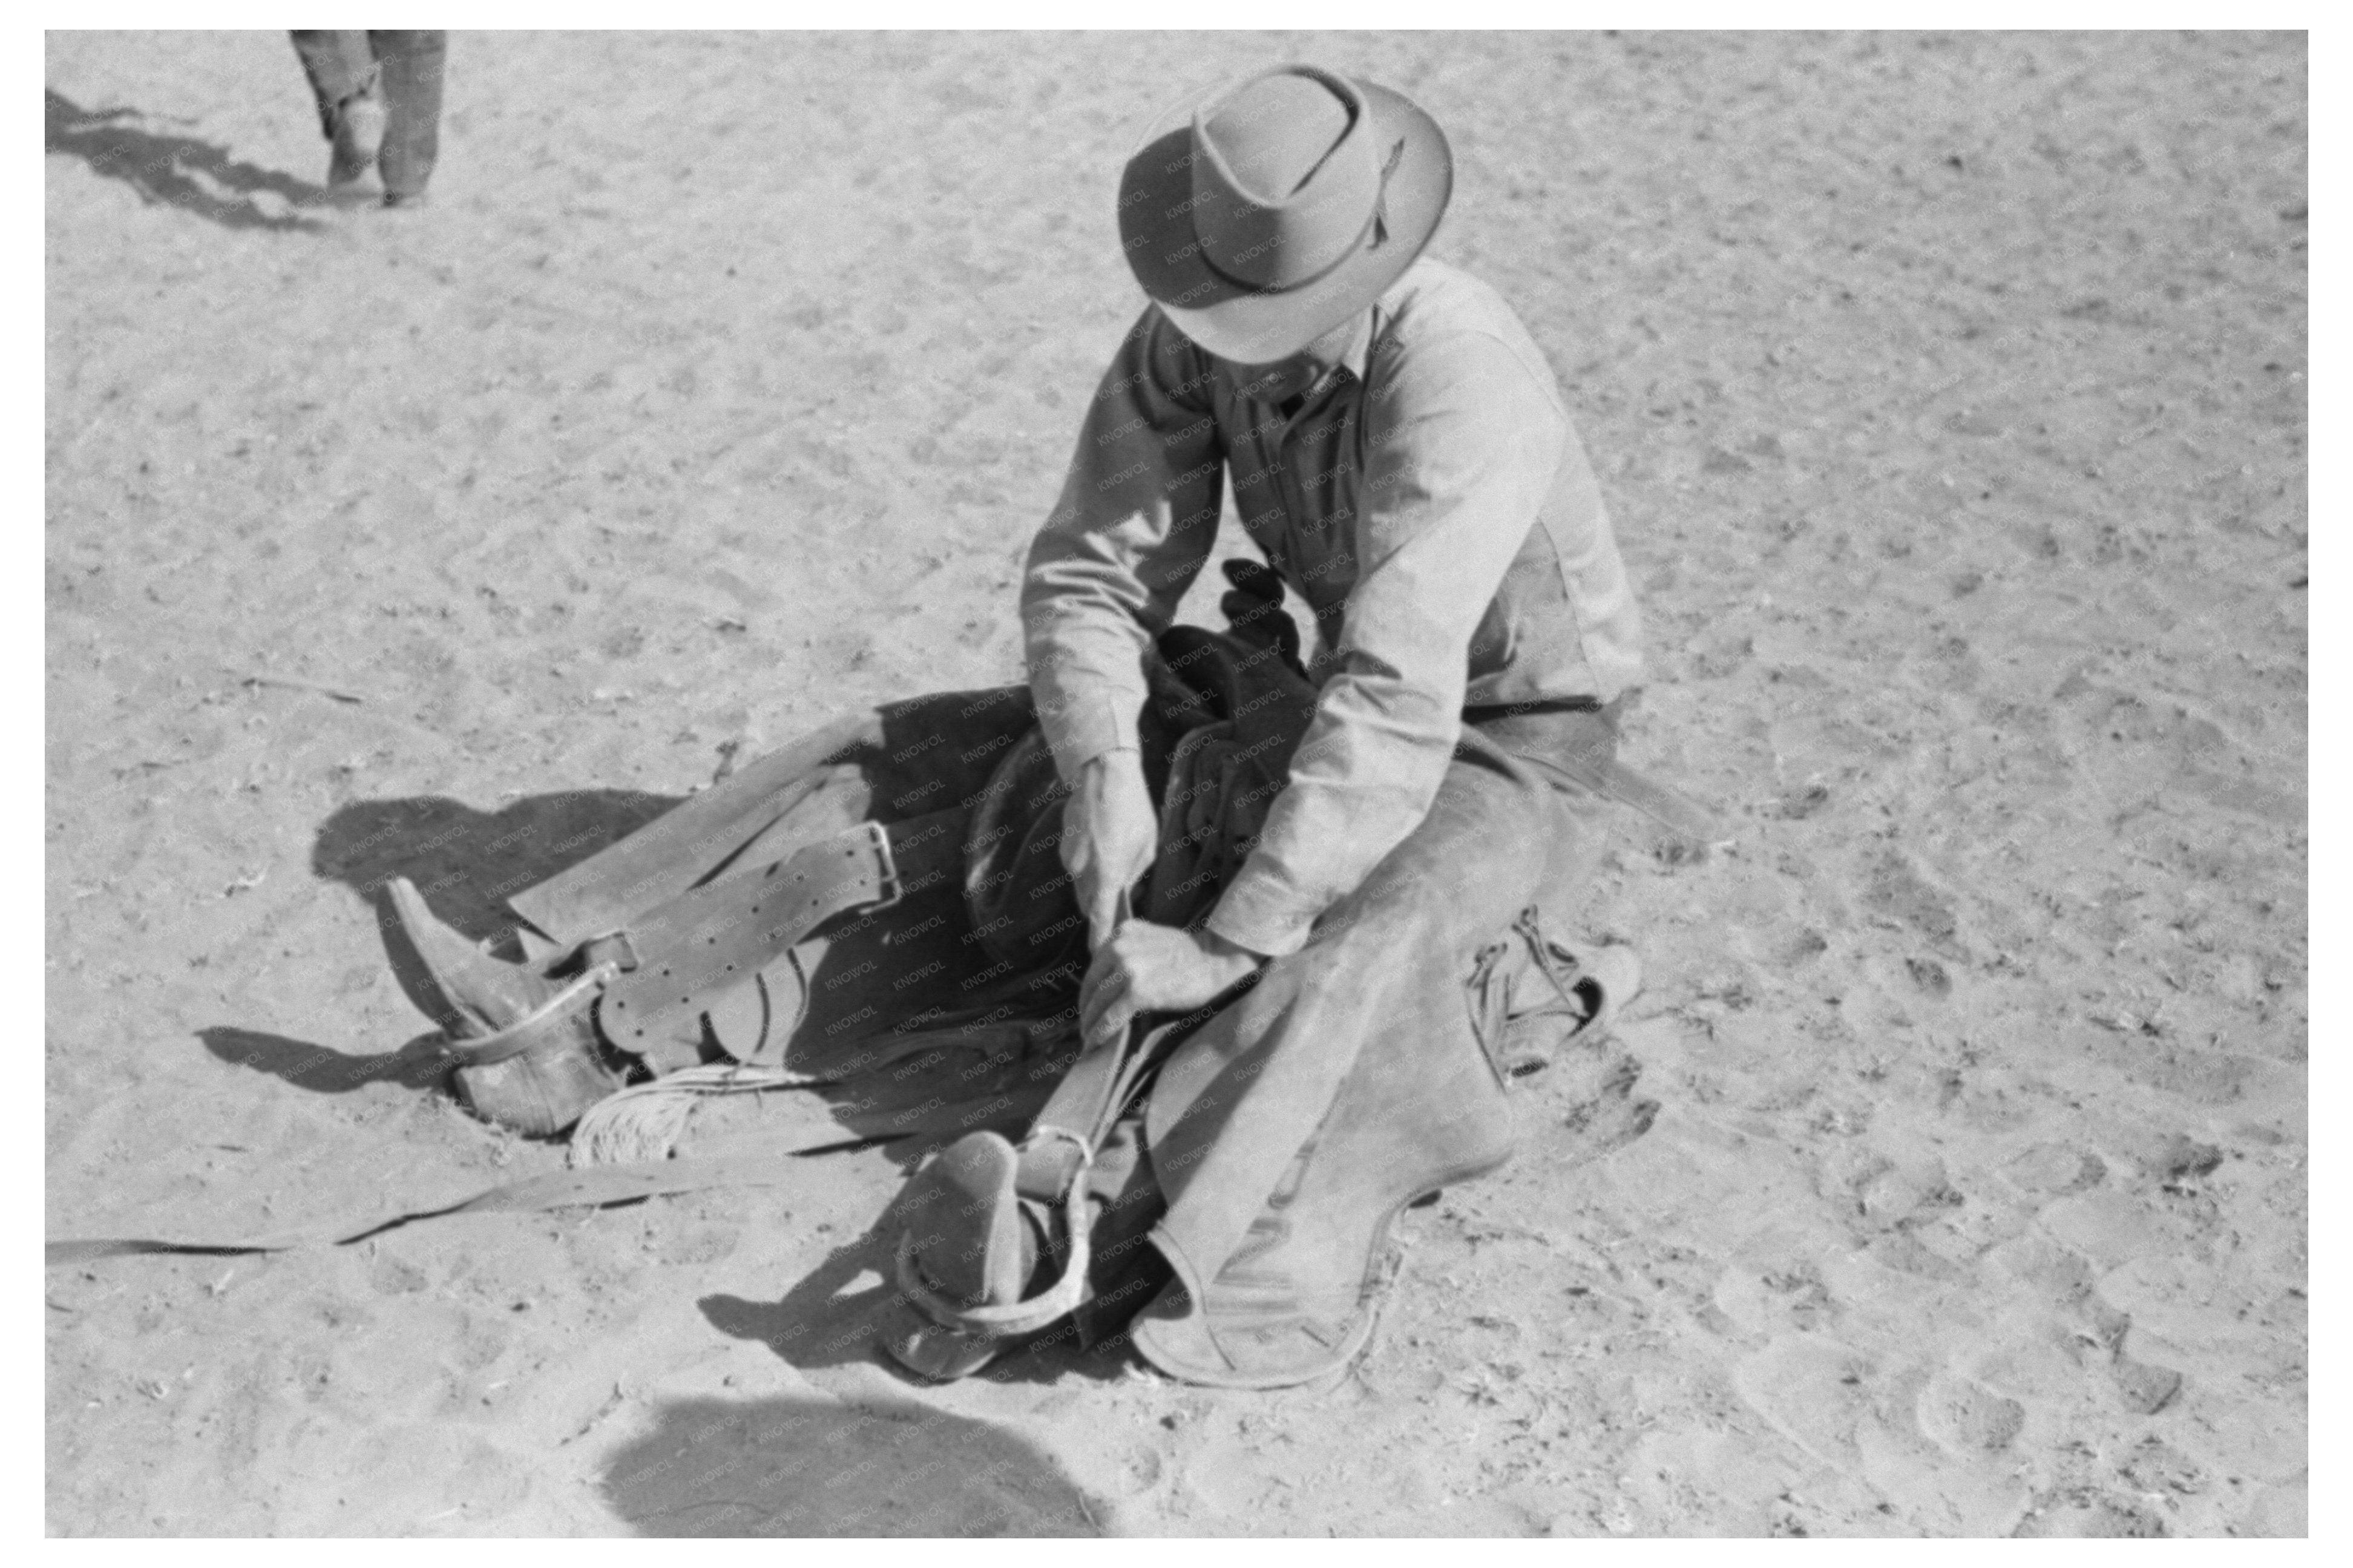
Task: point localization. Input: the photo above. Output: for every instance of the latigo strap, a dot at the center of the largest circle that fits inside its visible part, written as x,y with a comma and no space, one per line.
1054,1163
595,1188
714,942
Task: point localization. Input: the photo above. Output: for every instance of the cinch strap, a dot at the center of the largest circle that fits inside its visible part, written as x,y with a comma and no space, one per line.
708,942
596,1187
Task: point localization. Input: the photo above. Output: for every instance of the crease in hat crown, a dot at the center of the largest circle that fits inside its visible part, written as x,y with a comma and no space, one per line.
1285,177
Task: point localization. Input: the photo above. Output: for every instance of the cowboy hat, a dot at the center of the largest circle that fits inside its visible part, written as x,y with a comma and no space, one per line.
1269,214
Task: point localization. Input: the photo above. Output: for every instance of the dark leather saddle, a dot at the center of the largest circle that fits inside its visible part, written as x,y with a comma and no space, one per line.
1002,1241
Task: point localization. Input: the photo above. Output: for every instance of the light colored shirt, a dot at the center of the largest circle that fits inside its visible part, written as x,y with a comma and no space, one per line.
1430,503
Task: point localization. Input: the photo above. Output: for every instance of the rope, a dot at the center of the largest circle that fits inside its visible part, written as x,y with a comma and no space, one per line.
645,1122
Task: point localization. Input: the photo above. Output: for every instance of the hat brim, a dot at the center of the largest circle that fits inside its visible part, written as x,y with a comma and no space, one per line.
1250,326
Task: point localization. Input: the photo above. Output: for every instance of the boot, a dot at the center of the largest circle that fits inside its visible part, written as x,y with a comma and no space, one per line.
535,1062
356,138
410,64
479,994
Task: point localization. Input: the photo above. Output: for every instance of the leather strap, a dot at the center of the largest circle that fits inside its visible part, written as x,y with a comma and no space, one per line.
543,1024
720,936
595,1185
1667,806
1056,1160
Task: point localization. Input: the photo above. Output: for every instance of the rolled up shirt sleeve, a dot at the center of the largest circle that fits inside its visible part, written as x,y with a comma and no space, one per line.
1137,516
1462,446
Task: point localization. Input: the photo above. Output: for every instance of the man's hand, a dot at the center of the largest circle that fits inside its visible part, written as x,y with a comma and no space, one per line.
1148,968
1110,833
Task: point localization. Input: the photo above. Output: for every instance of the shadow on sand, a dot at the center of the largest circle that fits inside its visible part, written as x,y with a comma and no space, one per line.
321,1070
177,170
466,862
804,1467
820,1322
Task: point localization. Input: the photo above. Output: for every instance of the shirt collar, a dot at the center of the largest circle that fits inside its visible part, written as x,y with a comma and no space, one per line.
1360,347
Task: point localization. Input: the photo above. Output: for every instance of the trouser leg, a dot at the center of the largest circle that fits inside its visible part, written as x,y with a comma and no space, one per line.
1234,1107
338,65
411,63
1287,1135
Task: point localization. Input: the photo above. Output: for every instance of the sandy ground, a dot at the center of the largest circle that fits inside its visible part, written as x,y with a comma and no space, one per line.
1950,394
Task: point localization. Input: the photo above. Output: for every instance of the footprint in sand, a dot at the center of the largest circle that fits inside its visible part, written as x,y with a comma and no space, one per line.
1226,1477
1813,1389
2146,1389
1968,1418
2055,1169
2082,1516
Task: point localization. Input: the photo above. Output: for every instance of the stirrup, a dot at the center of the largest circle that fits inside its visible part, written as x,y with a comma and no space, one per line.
1009,1320
546,1025
541,1073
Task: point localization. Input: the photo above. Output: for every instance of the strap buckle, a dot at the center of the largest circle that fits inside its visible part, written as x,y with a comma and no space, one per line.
888,888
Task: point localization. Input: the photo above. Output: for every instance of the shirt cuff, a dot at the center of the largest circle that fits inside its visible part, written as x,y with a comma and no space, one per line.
1258,913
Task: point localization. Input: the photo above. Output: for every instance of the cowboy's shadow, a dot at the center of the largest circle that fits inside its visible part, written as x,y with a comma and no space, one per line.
164,170
822,1467
471,860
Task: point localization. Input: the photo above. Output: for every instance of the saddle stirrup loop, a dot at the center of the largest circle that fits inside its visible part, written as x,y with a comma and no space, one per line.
529,1030
1009,1319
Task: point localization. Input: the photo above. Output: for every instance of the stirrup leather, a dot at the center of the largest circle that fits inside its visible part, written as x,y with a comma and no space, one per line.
543,1024
704,953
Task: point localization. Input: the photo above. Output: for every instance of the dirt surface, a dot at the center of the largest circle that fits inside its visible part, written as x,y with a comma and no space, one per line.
1949,396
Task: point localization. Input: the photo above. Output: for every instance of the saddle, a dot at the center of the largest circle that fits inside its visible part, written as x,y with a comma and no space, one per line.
718,972
983,1217
1000,1242
719,958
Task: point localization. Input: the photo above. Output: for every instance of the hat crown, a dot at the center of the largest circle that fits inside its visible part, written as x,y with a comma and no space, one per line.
1285,177
1275,133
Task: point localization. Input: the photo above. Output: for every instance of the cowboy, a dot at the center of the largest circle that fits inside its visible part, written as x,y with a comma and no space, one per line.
1399,450
1327,1010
